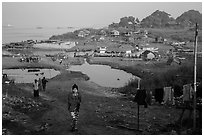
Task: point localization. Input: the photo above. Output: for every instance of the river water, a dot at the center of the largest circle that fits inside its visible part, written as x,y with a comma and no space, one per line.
29,75
104,75
12,34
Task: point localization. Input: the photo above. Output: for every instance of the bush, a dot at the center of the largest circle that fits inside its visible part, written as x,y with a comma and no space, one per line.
172,77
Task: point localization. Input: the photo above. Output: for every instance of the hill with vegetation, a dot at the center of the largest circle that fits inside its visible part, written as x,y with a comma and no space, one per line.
161,19
158,24
158,19
190,18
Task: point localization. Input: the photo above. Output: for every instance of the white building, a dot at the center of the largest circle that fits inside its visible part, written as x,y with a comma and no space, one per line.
103,50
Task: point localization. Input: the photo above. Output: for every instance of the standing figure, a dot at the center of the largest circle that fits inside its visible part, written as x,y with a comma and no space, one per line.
36,88
60,61
44,81
74,100
40,84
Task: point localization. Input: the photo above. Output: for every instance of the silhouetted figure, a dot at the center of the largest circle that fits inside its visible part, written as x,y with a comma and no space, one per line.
44,81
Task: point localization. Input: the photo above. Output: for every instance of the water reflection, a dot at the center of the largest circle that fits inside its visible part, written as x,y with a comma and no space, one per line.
104,75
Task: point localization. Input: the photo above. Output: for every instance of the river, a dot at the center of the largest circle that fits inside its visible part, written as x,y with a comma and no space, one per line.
104,75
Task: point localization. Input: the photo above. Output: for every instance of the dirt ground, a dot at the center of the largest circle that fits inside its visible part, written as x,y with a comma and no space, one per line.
103,111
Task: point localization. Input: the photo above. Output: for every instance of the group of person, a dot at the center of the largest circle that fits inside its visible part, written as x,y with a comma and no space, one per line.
74,100
39,85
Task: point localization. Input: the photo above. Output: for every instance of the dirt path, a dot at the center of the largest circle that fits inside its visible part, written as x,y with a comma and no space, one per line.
89,122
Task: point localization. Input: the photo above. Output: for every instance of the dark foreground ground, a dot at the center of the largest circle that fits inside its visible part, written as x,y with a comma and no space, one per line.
103,111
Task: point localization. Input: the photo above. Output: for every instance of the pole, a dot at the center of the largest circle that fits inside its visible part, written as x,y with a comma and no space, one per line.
138,86
138,116
195,64
50,73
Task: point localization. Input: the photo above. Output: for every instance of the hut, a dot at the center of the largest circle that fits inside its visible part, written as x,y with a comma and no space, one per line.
148,55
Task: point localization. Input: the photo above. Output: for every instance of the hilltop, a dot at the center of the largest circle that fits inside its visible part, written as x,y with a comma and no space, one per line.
189,18
161,19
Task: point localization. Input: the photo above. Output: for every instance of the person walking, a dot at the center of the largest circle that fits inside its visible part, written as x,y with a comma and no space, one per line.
44,81
74,101
36,88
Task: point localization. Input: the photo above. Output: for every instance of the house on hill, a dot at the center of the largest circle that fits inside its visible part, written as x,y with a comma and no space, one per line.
126,48
83,33
97,38
148,55
102,50
115,33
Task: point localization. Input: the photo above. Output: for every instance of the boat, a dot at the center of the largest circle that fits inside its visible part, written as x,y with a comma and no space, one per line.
39,27
33,70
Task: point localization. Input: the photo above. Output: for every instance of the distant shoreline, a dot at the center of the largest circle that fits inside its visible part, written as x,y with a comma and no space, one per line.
19,34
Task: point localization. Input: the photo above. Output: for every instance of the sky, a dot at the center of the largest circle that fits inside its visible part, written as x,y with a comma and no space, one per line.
85,14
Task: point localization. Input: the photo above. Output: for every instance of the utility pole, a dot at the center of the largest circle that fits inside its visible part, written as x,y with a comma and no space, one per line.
195,73
138,84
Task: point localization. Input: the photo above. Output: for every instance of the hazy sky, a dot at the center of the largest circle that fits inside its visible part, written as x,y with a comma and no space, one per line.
85,14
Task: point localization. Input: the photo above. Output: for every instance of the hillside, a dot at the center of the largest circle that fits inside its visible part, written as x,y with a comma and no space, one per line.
161,19
159,23
158,19
190,18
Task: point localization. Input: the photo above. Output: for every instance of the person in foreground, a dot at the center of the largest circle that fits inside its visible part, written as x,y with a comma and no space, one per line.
36,88
74,100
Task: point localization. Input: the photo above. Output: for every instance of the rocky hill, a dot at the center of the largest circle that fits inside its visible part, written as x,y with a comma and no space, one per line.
158,19
190,18
161,19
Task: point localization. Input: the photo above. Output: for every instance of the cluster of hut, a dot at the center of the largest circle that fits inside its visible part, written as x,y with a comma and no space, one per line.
59,56
20,45
30,59
128,51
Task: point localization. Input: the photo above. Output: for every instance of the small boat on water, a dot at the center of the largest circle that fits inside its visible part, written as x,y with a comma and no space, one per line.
39,27
33,70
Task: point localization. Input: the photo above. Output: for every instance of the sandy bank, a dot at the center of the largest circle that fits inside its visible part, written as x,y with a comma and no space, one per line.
64,45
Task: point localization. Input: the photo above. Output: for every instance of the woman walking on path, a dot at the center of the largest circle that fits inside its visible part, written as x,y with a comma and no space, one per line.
74,100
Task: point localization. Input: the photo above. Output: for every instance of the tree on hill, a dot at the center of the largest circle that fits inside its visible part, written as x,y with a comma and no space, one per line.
137,21
114,25
126,22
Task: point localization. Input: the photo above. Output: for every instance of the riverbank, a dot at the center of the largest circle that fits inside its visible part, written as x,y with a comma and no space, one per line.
45,62
154,74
